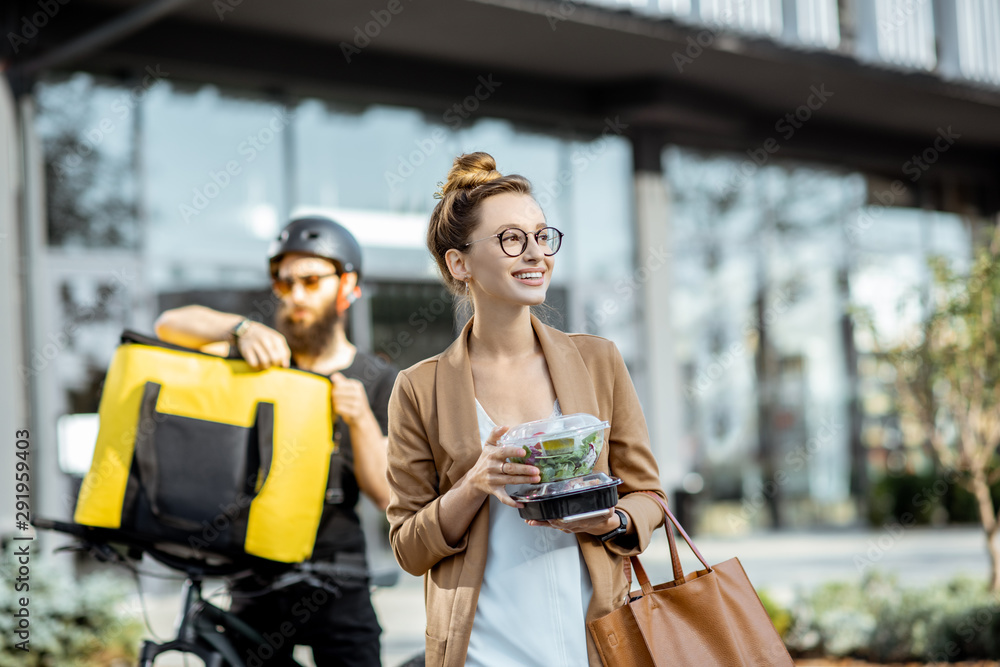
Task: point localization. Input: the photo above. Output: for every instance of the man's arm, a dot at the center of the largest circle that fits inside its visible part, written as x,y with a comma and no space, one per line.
195,326
370,462
198,327
367,440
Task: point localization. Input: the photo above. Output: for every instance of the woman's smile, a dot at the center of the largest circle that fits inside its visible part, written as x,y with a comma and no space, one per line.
532,277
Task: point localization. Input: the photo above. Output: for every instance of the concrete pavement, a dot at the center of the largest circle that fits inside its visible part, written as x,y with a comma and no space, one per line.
781,563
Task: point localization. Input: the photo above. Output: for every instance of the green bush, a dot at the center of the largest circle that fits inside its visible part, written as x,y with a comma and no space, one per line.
879,620
962,506
910,499
780,617
968,631
894,496
72,622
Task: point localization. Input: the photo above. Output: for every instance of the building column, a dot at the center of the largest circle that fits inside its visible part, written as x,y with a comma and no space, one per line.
790,22
658,380
51,497
946,33
13,389
864,27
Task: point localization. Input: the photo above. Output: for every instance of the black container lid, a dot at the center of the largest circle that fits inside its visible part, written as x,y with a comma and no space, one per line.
528,493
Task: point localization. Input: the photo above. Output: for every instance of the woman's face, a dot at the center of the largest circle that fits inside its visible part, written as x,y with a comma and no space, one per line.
497,277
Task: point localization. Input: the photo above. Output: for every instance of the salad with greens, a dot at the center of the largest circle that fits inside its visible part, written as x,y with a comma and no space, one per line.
560,447
566,456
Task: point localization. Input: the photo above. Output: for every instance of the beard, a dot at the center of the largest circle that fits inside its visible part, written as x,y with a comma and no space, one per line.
308,339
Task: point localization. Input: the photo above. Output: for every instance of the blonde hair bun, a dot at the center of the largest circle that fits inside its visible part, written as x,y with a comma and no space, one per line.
469,171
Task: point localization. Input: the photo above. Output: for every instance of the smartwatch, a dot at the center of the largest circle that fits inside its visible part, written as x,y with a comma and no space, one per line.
239,330
620,530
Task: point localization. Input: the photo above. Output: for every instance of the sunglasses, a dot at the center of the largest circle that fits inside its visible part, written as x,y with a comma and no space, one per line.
283,286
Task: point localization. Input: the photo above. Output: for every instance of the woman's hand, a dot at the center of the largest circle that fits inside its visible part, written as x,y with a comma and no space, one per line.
493,471
596,525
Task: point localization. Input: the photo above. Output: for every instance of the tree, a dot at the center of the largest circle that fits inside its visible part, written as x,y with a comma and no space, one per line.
949,381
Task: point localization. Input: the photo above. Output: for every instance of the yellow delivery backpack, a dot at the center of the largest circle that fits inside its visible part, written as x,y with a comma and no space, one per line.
205,452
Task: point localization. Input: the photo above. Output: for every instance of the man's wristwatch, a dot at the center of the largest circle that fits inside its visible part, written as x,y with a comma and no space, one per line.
239,330
620,530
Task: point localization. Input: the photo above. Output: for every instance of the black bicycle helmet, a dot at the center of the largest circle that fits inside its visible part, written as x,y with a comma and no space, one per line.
319,236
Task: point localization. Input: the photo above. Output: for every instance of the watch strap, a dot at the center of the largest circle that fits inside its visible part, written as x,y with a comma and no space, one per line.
620,530
239,329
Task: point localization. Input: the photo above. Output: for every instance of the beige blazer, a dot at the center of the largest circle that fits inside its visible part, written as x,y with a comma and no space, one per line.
434,441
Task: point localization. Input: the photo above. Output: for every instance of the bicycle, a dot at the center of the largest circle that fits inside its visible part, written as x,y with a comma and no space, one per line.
205,630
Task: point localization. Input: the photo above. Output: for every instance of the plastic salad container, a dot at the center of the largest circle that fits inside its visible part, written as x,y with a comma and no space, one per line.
560,447
568,499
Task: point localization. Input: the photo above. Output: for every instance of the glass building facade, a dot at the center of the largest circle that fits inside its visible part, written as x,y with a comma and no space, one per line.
789,414
210,177
167,193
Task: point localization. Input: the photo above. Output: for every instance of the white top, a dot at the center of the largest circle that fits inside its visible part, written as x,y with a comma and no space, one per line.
535,592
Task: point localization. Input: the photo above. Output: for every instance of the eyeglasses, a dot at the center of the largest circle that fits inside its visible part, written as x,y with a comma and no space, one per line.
284,286
514,241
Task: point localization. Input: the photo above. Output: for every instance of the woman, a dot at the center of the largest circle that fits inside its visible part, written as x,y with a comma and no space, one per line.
499,590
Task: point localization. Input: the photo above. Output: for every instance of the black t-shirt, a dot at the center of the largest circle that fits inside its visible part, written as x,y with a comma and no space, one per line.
340,526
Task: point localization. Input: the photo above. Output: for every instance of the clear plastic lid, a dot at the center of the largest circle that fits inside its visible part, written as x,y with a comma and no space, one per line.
561,447
567,426
536,492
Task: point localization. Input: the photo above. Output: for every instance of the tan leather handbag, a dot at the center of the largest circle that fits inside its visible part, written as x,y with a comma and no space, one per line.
707,618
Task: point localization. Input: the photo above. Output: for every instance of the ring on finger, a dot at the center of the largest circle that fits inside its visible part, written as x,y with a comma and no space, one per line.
502,468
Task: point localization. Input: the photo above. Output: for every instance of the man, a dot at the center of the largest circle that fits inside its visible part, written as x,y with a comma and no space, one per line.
315,266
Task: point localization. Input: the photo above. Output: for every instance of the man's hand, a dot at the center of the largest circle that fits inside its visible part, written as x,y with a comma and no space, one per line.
350,402
263,347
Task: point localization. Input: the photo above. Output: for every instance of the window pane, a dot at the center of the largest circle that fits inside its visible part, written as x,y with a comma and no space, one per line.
86,130
214,167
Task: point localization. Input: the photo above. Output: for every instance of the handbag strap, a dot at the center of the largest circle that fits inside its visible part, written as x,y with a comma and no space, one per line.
674,557
640,575
632,563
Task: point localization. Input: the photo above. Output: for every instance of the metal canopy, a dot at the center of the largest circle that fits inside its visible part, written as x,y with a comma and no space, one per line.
567,67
